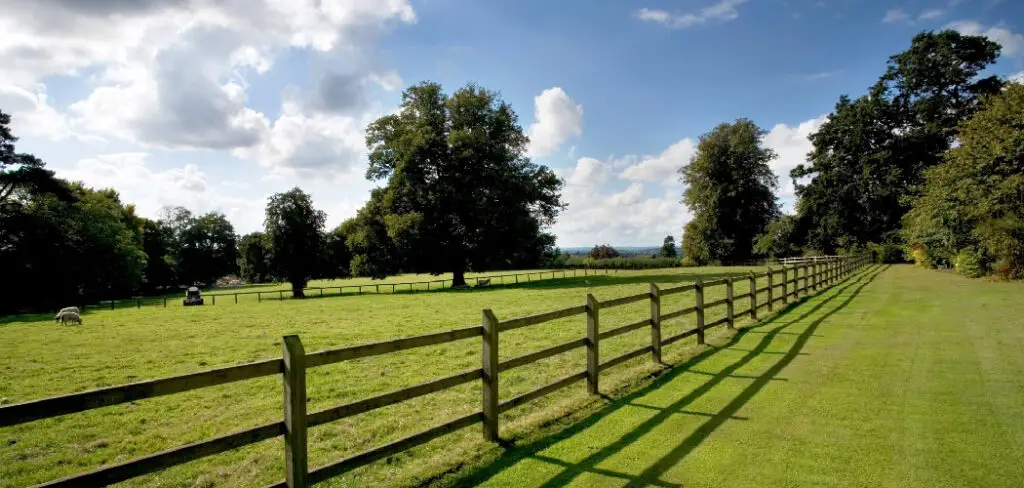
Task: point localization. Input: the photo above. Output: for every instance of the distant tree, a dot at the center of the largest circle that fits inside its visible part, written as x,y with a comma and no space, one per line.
374,253
295,231
779,238
668,248
604,251
205,246
871,153
336,255
973,203
158,244
729,190
461,193
254,258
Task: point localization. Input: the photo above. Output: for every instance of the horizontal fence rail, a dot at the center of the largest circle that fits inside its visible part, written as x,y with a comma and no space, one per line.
802,278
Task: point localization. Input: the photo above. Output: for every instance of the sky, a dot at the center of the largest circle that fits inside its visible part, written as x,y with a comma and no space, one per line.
215,105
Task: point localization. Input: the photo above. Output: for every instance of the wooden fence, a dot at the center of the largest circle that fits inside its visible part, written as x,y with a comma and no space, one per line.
373,288
292,367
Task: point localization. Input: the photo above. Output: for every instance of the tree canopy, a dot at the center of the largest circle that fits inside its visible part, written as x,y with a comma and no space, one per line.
730,191
460,192
295,234
870,154
974,201
668,248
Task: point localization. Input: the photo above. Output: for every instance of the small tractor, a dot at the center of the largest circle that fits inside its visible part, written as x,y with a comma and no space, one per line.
192,297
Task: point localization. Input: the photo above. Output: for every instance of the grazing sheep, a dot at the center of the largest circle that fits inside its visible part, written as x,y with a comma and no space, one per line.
70,309
483,282
69,316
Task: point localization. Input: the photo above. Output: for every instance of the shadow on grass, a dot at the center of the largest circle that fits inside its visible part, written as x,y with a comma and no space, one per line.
649,477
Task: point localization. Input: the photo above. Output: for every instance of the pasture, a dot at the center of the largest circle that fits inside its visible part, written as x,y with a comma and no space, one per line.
41,359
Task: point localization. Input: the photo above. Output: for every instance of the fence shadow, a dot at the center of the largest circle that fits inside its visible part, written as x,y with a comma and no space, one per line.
792,314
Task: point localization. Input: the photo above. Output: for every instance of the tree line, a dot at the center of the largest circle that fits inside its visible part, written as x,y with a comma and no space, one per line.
927,166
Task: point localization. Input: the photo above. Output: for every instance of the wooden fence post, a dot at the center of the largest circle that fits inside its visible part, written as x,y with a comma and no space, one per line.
280,295
111,304
785,285
593,325
730,315
698,288
236,298
296,463
490,376
165,302
214,299
655,323
259,297
771,289
753,296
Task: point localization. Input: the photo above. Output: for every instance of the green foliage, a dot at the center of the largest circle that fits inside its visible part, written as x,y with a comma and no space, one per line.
254,258
668,248
295,233
872,151
203,247
973,200
336,255
461,193
730,192
887,252
637,262
603,251
779,238
969,263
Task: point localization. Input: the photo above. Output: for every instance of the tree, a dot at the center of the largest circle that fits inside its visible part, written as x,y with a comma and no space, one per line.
461,193
295,232
604,251
254,258
973,203
374,253
158,244
779,238
204,246
336,255
20,171
871,153
668,248
730,193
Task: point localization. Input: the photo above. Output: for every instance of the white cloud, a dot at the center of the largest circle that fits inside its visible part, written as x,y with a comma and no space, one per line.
556,118
627,217
1013,43
664,167
32,115
931,14
1019,77
723,11
895,15
590,171
791,145
169,69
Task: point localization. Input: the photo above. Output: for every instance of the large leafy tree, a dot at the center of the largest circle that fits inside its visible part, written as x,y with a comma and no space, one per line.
295,230
974,200
872,151
158,244
461,193
204,246
730,191
254,258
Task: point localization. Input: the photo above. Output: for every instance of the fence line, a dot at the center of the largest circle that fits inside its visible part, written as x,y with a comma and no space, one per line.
373,288
295,361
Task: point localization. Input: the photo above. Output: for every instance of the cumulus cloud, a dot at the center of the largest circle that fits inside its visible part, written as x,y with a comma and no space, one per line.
1019,77
32,114
723,11
1012,42
168,70
663,167
931,14
556,118
590,171
791,145
627,217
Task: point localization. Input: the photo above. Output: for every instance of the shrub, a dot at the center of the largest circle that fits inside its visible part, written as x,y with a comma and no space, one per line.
887,252
969,264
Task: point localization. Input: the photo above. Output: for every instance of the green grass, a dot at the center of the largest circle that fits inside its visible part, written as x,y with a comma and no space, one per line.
39,359
899,378
896,377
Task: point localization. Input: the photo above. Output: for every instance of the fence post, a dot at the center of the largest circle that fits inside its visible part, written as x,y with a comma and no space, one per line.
730,316
785,285
771,289
111,304
490,376
214,299
593,324
296,464
280,295
259,297
236,298
655,323
698,288
165,302
753,296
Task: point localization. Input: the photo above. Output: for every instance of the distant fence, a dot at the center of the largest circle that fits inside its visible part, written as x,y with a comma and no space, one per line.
372,288
797,260
802,279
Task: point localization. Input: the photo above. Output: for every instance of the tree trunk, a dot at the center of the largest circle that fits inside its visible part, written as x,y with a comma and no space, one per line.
297,290
458,277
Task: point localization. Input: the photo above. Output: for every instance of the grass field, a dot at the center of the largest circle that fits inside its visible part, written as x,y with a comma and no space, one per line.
41,359
896,377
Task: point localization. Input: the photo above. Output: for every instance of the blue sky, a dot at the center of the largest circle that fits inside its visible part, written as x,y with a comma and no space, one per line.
216,104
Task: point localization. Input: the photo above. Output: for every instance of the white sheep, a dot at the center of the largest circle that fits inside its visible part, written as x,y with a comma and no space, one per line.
69,316
70,309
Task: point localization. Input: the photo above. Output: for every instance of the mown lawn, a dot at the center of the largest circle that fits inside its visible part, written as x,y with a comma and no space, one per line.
39,359
900,377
